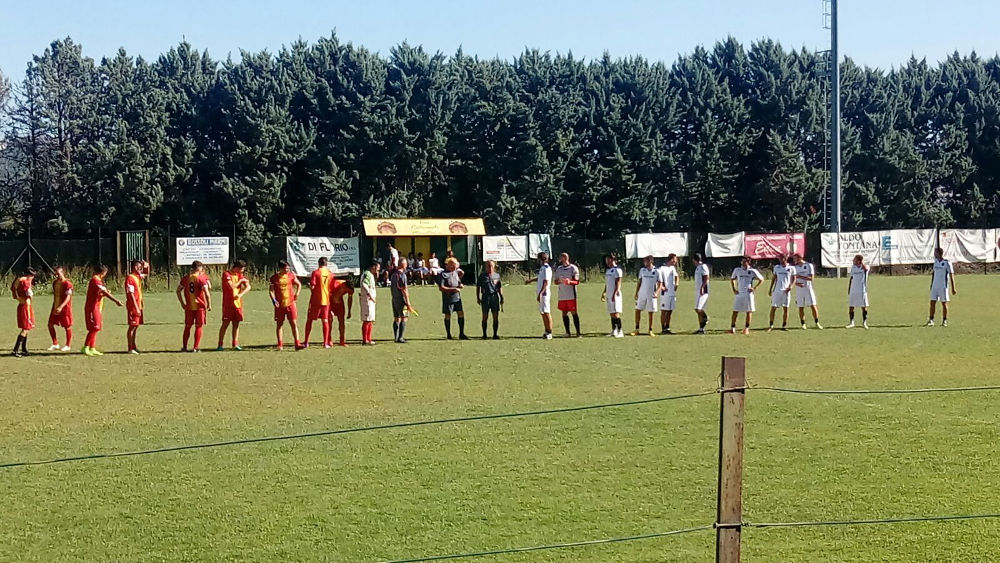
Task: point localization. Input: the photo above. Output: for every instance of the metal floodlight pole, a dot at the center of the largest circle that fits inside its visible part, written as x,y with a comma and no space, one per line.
835,198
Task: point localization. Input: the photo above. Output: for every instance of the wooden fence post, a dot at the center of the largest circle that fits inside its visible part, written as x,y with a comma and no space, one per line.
729,516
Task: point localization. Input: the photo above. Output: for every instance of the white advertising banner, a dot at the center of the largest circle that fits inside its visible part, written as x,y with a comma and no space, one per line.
343,254
720,246
839,249
207,250
657,245
539,243
914,246
506,248
969,245
516,248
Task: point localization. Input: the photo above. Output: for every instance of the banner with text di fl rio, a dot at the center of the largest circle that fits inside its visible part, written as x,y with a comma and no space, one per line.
769,246
343,254
207,250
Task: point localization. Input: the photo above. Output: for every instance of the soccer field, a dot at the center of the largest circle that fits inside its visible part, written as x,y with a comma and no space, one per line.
493,484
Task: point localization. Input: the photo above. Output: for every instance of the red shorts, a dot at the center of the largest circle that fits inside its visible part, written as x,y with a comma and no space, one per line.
196,318
25,317
232,314
64,319
93,319
282,313
134,318
338,310
568,305
319,312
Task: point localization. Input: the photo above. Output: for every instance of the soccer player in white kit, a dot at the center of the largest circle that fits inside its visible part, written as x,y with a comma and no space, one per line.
942,278
701,278
744,282
645,294
612,294
543,285
781,291
804,294
567,277
668,300
857,291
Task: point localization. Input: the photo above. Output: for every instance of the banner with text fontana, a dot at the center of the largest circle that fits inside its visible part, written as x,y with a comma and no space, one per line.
343,254
207,250
879,248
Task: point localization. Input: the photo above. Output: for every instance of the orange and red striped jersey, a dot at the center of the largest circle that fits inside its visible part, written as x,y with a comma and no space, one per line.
282,285
231,282
320,285
195,287
60,289
95,293
21,290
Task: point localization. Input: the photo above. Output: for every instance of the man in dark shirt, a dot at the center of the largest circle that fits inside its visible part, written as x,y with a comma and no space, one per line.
450,284
489,294
400,300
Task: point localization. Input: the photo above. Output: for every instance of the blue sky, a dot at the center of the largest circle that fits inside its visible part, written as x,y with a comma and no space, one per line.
879,33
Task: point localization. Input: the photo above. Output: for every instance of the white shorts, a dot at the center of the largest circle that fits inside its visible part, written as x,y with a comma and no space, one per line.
647,304
744,303
700,301
367,310
940,294
544,306
668,302
805,297
858,300
781,298
615,306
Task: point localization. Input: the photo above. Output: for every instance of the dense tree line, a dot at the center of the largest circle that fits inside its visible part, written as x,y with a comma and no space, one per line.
316,136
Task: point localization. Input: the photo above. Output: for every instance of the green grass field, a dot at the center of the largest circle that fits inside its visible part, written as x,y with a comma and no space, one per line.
494,484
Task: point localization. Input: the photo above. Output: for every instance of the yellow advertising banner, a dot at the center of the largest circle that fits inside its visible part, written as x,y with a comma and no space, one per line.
424,227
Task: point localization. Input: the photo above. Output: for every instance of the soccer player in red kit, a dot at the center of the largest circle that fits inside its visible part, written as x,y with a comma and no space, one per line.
338,289
134,305
319,302
284,291
196,300
93,310
21,291
234,287
62,309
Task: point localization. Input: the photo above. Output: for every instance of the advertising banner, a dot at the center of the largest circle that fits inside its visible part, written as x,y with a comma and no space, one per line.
839,249
512,248
969,245
914,246
539,243
721,246
208,250
657,245
769,246
343,254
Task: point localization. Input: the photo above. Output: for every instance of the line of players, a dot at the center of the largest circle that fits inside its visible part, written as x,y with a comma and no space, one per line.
656,290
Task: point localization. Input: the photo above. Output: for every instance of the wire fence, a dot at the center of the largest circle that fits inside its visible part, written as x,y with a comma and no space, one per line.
572,409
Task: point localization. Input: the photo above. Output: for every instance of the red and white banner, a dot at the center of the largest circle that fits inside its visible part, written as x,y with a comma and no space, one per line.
771,245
